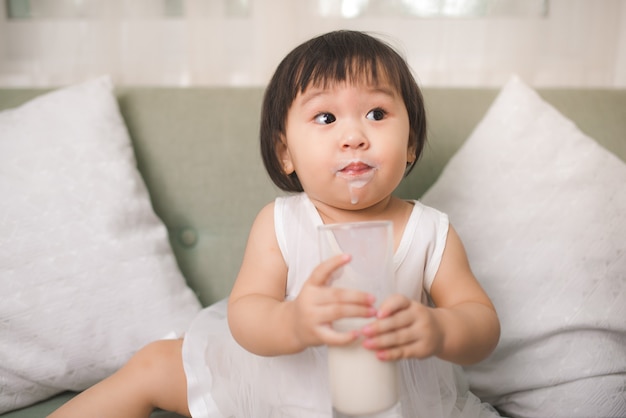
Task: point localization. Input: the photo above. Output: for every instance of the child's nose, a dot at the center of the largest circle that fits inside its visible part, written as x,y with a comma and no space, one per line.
354,139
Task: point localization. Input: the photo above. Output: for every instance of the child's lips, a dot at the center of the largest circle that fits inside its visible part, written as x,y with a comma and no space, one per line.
355,169
357,174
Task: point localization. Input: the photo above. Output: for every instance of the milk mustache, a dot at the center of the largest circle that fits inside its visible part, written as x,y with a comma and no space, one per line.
360,383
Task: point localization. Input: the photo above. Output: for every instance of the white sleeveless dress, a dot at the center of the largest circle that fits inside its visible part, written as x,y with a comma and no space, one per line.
225,380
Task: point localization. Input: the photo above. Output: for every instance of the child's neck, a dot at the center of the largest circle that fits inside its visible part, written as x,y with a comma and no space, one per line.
389,209
333,214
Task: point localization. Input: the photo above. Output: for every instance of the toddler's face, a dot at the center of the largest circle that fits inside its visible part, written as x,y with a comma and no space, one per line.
348,143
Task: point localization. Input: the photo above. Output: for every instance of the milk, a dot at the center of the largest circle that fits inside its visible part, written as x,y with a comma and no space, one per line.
360,384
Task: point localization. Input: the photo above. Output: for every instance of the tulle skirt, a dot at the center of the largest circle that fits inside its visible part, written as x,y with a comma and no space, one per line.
225,380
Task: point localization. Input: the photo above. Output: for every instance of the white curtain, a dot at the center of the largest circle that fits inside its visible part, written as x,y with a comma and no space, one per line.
240,42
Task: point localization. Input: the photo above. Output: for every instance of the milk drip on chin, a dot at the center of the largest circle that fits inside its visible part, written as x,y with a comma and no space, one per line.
353,185
357,173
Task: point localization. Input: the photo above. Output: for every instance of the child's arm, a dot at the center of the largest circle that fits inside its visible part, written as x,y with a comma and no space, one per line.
264,323
463,328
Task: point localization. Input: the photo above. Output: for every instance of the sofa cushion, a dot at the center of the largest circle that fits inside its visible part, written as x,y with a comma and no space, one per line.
87,275
541,209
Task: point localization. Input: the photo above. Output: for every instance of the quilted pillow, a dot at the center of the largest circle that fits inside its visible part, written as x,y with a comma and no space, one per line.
541,208
87,276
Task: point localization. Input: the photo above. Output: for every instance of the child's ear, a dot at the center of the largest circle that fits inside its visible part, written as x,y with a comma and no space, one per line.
284,156
411,154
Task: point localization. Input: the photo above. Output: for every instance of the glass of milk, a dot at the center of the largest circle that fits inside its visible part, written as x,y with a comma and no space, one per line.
360,384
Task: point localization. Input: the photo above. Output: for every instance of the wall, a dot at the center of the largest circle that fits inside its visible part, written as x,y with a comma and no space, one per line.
580,43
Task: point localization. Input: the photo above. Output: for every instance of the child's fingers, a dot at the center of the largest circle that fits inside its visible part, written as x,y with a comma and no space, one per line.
329,336
391,330
323,272
393,304
350,296
409,331
360,308
418,348
392,338
395,354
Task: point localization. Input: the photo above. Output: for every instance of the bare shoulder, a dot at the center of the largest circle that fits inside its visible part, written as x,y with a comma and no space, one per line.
455,282
262,236
455,248
263,269
264,219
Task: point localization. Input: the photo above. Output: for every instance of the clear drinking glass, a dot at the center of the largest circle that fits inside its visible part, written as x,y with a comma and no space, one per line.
360,383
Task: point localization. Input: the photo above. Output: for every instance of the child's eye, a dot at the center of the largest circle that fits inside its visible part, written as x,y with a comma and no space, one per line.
376,114
325,118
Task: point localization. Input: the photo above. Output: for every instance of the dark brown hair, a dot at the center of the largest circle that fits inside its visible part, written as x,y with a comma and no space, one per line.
334,57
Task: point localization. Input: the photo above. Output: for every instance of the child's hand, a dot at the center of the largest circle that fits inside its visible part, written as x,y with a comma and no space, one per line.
318,305
405,328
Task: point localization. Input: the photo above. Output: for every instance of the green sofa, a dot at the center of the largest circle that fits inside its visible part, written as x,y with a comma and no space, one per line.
198,153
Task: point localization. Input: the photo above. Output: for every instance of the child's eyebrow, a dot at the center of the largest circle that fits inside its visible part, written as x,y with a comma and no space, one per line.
313,92
310,94
387,91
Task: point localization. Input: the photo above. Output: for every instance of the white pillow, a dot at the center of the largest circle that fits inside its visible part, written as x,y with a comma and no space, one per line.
541,209
87,275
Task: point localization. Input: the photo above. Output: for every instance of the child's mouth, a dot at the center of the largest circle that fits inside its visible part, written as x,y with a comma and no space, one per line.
357,174
355,169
